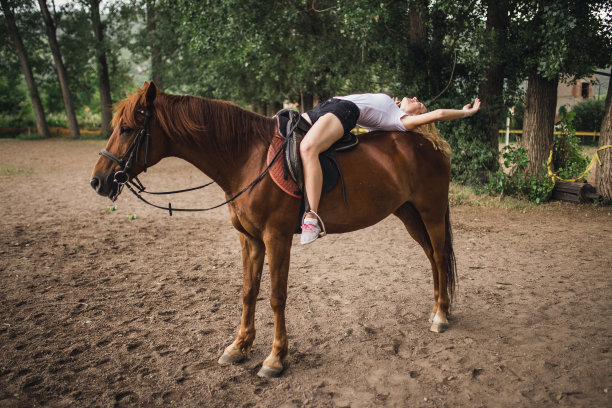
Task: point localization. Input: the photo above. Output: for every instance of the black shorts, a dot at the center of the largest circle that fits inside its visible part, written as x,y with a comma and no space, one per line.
346,111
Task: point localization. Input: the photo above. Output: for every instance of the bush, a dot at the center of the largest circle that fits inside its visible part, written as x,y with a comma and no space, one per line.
510,179
589,114
473,158
567,158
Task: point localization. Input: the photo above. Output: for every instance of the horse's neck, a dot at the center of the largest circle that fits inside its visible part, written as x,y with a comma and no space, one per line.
231,168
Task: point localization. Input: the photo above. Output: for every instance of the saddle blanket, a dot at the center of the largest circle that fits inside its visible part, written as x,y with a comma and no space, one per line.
277,171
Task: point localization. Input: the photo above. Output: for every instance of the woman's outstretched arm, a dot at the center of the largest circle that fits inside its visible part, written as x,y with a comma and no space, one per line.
440,115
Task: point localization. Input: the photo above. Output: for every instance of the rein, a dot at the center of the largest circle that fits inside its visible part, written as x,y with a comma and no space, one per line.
137,188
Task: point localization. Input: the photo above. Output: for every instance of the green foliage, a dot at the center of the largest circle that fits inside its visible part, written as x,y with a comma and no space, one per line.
567,158
259,53
589,114
511,179
472,155
562,38
75,37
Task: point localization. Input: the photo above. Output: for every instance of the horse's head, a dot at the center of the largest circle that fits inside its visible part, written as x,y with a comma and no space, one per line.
135,144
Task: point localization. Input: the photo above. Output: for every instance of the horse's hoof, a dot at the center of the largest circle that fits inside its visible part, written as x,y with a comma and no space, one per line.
228,358
269,372
439,324
438,327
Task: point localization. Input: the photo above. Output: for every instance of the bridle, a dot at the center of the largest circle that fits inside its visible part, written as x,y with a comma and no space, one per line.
143,137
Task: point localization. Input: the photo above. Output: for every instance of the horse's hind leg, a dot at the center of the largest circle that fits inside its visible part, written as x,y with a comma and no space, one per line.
437,224
253,253
431,231
415,227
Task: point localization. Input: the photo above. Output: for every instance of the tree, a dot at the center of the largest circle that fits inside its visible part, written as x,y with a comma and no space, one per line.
603,174
61,70
103,76
560,39
539,119
491,89
39,113
152,36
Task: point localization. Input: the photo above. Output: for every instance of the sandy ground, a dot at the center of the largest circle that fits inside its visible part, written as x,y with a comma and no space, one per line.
100,310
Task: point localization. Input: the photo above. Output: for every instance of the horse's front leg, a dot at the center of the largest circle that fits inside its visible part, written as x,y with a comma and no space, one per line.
279,250
253,253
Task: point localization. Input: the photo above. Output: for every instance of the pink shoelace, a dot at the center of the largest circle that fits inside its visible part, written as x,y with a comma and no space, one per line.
308,227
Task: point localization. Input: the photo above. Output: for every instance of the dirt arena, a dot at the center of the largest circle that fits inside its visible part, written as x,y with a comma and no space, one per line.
97,309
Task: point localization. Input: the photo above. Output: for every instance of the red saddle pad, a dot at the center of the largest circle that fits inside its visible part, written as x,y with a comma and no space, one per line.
277,170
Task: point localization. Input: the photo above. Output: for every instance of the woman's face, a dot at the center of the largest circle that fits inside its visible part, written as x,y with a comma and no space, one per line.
412,106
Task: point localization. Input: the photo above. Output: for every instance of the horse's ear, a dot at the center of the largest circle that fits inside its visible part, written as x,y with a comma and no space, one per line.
151,93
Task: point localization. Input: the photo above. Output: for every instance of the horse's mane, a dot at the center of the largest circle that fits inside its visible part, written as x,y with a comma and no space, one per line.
200,122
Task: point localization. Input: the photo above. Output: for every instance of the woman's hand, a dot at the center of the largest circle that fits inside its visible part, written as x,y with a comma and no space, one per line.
469,110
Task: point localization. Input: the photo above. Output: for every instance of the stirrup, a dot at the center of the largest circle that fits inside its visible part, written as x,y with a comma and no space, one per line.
323,232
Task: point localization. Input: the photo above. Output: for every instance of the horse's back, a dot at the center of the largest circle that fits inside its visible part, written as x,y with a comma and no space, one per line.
383,172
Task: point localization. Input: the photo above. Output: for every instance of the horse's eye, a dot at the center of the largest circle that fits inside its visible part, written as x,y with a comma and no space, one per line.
125,129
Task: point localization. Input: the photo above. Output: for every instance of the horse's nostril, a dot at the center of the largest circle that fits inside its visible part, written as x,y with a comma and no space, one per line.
95,183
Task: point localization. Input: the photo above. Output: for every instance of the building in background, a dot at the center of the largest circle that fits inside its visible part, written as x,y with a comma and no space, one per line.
592,87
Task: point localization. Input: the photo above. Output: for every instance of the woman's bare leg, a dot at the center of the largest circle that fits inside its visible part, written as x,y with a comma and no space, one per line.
327,130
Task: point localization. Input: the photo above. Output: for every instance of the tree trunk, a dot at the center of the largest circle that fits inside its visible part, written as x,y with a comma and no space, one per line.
156,59
273,107
260,108
418,45
491,91
418,30
306,102
61,70
106,103
539,121
603,173
39,112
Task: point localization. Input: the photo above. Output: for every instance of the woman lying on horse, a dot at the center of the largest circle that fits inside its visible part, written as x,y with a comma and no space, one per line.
337,116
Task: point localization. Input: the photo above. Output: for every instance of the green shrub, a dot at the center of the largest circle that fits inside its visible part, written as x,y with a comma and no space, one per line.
589,114
511,179
567,160
472,158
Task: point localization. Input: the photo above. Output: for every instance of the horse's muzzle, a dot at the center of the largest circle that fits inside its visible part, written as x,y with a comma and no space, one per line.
105,186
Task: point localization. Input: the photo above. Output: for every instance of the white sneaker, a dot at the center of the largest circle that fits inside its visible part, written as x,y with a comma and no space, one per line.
310,231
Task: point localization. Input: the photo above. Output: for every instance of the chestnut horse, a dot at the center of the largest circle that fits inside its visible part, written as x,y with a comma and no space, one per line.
400,173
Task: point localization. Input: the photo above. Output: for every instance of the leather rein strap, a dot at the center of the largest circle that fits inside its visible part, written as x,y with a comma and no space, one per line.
122,178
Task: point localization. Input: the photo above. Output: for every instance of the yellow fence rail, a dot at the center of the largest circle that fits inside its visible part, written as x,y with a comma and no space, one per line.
520,131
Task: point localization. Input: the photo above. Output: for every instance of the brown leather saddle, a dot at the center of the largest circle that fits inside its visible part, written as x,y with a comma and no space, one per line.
293,127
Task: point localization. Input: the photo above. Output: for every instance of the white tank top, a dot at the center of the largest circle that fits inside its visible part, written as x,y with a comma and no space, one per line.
377,111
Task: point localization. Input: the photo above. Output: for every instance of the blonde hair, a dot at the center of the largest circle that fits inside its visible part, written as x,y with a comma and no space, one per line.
430,132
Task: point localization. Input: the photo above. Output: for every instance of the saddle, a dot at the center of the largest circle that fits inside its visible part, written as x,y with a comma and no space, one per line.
292,127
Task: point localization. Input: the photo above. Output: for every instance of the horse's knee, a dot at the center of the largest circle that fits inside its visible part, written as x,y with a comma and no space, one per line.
249,294
278,302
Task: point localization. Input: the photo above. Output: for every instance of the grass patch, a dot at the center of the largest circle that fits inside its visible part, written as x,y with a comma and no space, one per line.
26,136
15,171
460,194
467,195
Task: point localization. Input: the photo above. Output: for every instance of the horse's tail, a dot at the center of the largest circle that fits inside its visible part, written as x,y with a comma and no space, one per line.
451,265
